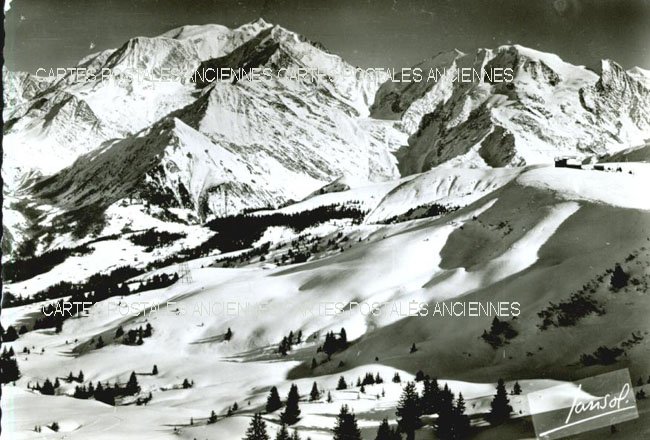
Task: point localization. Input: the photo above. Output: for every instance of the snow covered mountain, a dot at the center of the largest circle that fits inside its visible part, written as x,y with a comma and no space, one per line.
174,146
227,146
550,109
74,117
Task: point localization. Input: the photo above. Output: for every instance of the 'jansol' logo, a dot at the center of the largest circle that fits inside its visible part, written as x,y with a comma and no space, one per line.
591,403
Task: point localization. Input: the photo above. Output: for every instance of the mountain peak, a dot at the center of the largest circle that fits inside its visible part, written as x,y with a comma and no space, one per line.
260,22
255,26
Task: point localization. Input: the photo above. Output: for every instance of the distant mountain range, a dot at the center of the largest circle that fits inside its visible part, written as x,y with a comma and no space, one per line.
187,153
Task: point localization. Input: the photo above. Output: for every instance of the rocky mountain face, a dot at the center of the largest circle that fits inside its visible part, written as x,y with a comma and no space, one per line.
282,50
19,88
186,152
551,108
72,117
190,152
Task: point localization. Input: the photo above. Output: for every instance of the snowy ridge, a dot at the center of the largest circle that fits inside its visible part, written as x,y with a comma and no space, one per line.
551,109
278,48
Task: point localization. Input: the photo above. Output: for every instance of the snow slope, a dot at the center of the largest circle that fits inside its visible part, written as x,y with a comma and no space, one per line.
533,237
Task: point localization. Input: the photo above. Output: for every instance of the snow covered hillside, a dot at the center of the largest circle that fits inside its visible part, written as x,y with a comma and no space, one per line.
537,236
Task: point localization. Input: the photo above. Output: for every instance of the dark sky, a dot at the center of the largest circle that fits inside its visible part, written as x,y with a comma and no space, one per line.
368,33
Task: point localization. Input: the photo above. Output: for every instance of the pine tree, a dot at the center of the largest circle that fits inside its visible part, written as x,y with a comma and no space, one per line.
235,407
461,421
148,330
341,385
104,395
291,412
10,370
516,390
57,384
213,418
119,332
409,411
419,376
284,346
132,386
346,427
273,402
413,348
330,345
295,435
619,278
313,363
283,433
154,370
10,334
47,388
452,423
257,429
446,398
100,342
315,394
228,334
329,397
80,376
500,407
385,432
430,396
343,341
397,378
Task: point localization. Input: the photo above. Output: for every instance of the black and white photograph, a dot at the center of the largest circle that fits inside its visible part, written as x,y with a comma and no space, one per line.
325,220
